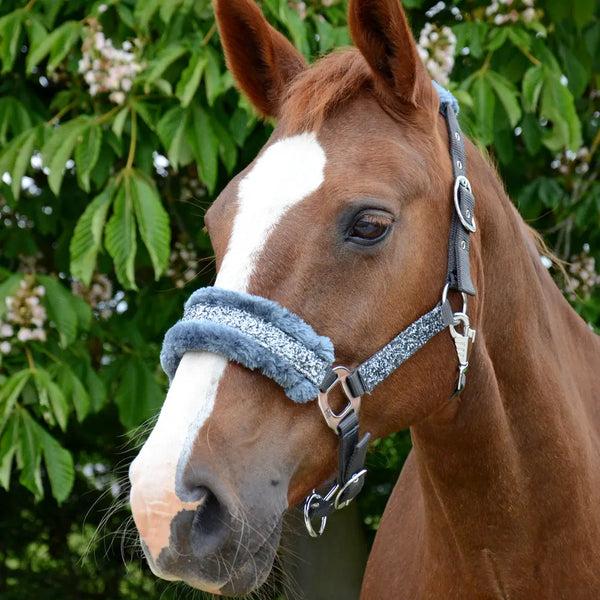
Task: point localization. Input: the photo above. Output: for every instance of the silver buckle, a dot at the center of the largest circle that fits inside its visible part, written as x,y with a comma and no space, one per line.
462,180
333,419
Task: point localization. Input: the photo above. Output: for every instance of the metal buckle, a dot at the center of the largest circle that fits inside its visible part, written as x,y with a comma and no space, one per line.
461,180
333,419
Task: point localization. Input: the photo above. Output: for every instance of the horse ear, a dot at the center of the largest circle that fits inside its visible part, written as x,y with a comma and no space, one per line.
381,33
262,61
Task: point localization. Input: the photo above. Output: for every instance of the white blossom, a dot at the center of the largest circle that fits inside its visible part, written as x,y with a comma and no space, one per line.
107,69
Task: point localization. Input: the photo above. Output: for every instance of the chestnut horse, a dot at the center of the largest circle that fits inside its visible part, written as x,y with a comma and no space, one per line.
344,219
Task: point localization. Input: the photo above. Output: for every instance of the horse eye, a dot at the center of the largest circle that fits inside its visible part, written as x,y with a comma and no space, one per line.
370,228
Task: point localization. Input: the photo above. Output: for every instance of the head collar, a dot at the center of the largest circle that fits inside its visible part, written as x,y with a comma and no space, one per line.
260,334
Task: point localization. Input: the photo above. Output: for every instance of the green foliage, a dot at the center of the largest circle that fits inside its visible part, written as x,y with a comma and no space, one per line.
93,214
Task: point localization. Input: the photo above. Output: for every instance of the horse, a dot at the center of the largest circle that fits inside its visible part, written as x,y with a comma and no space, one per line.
344,219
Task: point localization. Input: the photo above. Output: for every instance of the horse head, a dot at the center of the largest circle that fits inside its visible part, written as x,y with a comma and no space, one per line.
343,218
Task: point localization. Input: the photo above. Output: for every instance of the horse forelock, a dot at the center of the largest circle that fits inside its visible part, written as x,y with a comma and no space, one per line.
323,89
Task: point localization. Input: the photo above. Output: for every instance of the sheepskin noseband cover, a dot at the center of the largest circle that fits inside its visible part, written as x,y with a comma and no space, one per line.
255,332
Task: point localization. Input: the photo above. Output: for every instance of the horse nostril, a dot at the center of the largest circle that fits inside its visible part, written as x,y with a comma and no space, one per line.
210,524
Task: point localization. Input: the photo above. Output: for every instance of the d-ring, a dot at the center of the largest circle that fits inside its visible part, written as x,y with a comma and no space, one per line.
464,299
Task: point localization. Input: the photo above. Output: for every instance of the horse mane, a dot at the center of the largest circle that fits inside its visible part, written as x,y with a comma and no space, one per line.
321,90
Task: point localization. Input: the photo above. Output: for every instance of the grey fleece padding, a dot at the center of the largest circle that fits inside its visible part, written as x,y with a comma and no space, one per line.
255,332
445,97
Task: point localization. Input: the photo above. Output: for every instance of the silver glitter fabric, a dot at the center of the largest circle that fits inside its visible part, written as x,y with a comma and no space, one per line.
265,334
375,369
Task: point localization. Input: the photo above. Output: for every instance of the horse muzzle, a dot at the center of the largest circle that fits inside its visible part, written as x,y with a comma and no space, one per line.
206,540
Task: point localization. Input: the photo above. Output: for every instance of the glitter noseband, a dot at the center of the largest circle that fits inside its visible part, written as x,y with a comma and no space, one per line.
260,334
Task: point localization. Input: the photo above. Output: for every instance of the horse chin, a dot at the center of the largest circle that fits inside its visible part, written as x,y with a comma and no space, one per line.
250,573
236,569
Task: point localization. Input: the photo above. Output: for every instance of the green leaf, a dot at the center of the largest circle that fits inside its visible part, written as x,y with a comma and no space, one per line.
68,34
10,152
497,38
484,103
202,140
558,106
532,134
240,125
583,11
59,303
507,94
144,11
29,454
577,75
9,392
49,389
533,81
23,155
15,117
126,15
95,387
87,237
227,147
87,152
160,64
138,395
190,78
57,44
171,132
212,75
10,32
167,9
59,465
476,34
153,222
36,32
80,398
74,390
9,442
120,239
119,121
59,148
519,37
149,112
83,312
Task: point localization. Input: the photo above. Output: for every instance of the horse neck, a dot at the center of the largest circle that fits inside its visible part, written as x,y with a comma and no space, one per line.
517,444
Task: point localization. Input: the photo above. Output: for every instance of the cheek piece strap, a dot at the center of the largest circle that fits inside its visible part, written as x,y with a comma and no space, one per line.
262,335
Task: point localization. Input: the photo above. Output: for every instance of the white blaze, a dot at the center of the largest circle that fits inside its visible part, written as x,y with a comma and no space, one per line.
287,172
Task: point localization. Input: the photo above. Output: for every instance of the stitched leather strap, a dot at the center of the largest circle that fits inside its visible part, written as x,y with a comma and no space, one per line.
463,221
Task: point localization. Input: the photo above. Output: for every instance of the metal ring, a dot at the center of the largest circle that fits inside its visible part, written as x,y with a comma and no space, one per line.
307,520
307,509
464,298
354,479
